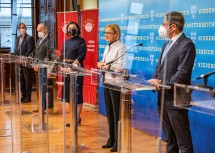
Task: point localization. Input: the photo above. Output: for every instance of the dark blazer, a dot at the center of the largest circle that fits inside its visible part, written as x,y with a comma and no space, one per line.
177,65
27,46
43,49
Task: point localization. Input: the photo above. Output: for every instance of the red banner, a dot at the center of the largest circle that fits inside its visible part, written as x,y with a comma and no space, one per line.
89,30
63,18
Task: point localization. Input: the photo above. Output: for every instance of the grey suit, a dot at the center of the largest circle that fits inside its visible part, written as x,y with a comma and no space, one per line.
177,67
43,51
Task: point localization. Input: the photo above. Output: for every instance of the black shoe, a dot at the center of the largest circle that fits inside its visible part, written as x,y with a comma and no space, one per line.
22,98
107,146
67,125
26,100
114,149
79,121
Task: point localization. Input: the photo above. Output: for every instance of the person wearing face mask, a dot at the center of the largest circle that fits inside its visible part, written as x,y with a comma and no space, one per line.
43,53
113,52
174,66
24,47
74,52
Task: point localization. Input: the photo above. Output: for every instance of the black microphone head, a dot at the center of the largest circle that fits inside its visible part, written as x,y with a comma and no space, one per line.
141,44
200,77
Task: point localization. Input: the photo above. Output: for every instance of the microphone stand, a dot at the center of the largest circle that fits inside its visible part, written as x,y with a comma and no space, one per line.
61,57
108,63
6,42
205,77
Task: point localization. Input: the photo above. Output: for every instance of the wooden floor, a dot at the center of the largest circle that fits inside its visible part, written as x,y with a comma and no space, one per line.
21,134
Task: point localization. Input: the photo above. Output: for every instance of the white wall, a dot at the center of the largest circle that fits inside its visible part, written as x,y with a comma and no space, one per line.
89,4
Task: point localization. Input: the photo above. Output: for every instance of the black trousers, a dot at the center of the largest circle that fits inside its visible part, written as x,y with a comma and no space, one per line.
177,131
112,103
48,89
26,83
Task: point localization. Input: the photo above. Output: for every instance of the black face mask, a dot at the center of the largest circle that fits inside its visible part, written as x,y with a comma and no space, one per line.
72,32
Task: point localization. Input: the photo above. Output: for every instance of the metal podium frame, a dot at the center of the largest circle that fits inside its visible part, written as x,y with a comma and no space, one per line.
42,80
75,72
2,82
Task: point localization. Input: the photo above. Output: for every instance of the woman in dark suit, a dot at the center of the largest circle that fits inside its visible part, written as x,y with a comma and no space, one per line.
74,52
113,52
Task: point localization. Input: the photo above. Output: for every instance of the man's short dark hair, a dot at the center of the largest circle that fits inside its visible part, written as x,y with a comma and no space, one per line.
21,25
176,18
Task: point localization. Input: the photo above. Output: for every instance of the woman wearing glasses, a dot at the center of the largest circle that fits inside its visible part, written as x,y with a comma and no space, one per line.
112,62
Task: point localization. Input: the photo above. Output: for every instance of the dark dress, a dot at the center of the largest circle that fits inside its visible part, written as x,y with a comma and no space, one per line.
74,48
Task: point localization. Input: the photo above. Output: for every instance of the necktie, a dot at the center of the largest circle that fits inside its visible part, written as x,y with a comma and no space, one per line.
166,50
41,40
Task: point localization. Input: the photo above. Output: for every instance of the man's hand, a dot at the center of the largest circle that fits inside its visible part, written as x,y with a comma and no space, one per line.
36,68
65,70
155,83
56,53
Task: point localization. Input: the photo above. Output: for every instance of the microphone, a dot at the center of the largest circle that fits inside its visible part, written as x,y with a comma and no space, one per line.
5,43
205,75
32,53
108,63
60,57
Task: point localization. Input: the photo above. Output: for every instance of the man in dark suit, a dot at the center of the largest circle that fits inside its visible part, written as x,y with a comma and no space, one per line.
174,66
24,47
43,53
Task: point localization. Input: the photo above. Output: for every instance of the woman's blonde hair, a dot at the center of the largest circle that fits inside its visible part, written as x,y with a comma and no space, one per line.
116,30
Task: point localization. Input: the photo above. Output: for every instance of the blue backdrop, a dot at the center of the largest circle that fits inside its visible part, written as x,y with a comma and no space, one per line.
139,22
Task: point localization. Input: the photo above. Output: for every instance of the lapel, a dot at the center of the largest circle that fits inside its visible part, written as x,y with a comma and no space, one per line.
24,40
38,41
43,42
17,42
171,50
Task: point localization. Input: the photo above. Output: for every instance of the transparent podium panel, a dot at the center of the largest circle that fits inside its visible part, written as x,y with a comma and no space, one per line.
48,115
30,116
195,98
128,86
6,98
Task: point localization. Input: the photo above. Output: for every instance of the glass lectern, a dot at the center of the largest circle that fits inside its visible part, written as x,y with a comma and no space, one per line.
195,98
124,83
74,72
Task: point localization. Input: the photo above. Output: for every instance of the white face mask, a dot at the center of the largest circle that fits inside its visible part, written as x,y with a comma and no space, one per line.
41,35
162,31
22,31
